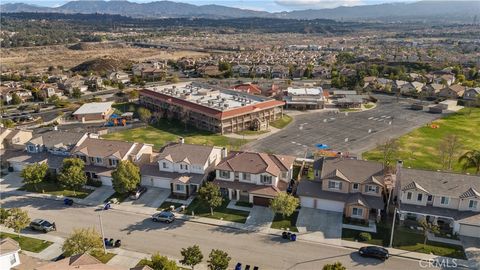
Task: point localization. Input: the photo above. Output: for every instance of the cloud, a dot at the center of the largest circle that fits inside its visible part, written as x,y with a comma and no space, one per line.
318,3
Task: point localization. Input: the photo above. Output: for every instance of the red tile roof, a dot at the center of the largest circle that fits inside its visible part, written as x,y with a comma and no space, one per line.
248,88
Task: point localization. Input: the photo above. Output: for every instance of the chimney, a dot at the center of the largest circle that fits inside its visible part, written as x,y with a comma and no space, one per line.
224,152
181,140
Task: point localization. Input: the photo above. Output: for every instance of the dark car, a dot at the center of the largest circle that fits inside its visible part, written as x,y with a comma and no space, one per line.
42,225
137,193
164,216
374,252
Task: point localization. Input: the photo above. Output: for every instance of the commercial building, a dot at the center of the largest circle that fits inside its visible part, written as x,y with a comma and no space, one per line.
94,111
212,109
304,98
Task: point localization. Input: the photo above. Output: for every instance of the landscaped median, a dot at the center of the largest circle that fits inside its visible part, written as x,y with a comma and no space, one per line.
27,243
200,209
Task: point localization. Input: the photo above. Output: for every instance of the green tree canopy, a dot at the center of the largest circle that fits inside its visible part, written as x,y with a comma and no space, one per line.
72,177
17,220
284,204
86,240
335,266
218,260
191,256
210,194
126,177
34,174
159,262
15,99
144,114
471,160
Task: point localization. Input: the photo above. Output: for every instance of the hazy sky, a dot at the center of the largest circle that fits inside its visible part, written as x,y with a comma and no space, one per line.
265,5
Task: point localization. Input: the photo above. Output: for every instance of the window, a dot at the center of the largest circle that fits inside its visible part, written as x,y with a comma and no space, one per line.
358,212
429,198
164,165
179,187
183,167
224,174
409,195
472,204
355,186
98,160
371,188
246,176
113,162
419,197
31,148
13,259
265,179
444,200
334,185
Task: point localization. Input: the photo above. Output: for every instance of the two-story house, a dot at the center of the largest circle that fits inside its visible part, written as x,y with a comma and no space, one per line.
349,186
446,199
181,167
101,157
9,256
14,138
253,177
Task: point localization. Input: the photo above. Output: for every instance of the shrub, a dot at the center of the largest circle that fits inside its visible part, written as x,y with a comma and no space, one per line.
365,236
94,182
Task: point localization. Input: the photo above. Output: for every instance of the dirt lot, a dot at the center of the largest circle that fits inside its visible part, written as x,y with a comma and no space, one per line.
40,58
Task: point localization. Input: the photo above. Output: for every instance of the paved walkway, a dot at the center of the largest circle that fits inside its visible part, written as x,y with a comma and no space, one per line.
11,181
271,131
472,249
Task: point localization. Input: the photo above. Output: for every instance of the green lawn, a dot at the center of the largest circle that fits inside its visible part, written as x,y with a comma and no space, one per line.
124,107
166,206
202,210
406,239
285,223
104,257
56,189
282,122
28,243
420,148
168,131
119,196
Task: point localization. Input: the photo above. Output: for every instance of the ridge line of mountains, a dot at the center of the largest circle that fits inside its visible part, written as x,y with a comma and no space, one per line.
448,11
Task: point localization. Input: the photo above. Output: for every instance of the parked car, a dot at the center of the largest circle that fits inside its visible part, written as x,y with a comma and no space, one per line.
164,216
137,193
374,252
42,225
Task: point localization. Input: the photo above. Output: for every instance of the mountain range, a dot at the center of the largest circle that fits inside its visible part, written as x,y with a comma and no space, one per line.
450,11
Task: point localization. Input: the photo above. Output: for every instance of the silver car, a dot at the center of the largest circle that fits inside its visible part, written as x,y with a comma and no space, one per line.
164,216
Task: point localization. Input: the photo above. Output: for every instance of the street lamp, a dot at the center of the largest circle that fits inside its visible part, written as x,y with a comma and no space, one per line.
103,236
393,227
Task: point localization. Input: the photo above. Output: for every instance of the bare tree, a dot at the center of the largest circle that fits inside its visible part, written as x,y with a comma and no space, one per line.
389,150
449,148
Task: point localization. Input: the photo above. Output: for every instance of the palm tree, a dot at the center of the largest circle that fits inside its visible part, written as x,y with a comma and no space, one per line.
471,159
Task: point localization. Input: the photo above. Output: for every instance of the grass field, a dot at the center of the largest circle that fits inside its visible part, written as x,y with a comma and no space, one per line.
168,131
202,210
55,189
285,223
28,243
281,123
420,148
104,257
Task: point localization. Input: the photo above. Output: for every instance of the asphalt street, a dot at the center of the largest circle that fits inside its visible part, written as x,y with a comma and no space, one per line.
353,132
138,233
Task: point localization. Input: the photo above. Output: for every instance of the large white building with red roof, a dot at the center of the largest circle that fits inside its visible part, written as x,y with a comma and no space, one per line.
212,109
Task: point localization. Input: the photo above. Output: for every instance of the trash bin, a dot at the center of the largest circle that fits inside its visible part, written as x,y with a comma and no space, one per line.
107,206
118,243
293,237
238,266
284,235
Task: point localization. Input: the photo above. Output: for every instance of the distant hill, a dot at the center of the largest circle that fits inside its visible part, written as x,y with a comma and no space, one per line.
450,11
101,65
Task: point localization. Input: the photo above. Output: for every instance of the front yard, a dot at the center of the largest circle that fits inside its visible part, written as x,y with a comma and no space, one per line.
55,189
165,206
169,131
104,257
287,223
282,122
119,197
28,243
223,213
406,239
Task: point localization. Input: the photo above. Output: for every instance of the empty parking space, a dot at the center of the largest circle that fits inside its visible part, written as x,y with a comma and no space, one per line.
352,132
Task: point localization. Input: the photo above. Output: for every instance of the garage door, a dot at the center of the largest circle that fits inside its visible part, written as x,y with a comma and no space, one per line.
306,202
155,182
106,181
469,230
261,201
330,205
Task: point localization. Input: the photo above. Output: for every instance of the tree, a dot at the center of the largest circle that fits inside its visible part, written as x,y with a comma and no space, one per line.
470,160
34,174
4,213
191,256
449,148
210,194
17,220
126,177
76,93
133,94
85,240
15,99
158,262
427,228
144,114
8,123
389,150
72,162
284,204
335,266
72,177
218,260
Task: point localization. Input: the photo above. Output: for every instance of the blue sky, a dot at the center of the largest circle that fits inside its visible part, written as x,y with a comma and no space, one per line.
264,5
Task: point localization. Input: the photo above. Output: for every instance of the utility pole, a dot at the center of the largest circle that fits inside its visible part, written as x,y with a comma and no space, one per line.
103,236
393,227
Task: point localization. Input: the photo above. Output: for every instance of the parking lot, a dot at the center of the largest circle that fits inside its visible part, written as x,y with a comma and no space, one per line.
353,132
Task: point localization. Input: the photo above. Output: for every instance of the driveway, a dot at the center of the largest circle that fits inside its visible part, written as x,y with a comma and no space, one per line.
260,217
11,181
154,197
472,249
99,195
320,225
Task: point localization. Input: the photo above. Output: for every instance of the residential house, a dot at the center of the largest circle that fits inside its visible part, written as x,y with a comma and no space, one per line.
321,72
14,138
445,79
432,90
102,156
471,93
94,82
253,177
241,70
75,82
411,88
248,88
118,77
77,262
94,111
262,70
9,253
349,186
181,167
398,84
279,72
449,200
453,91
